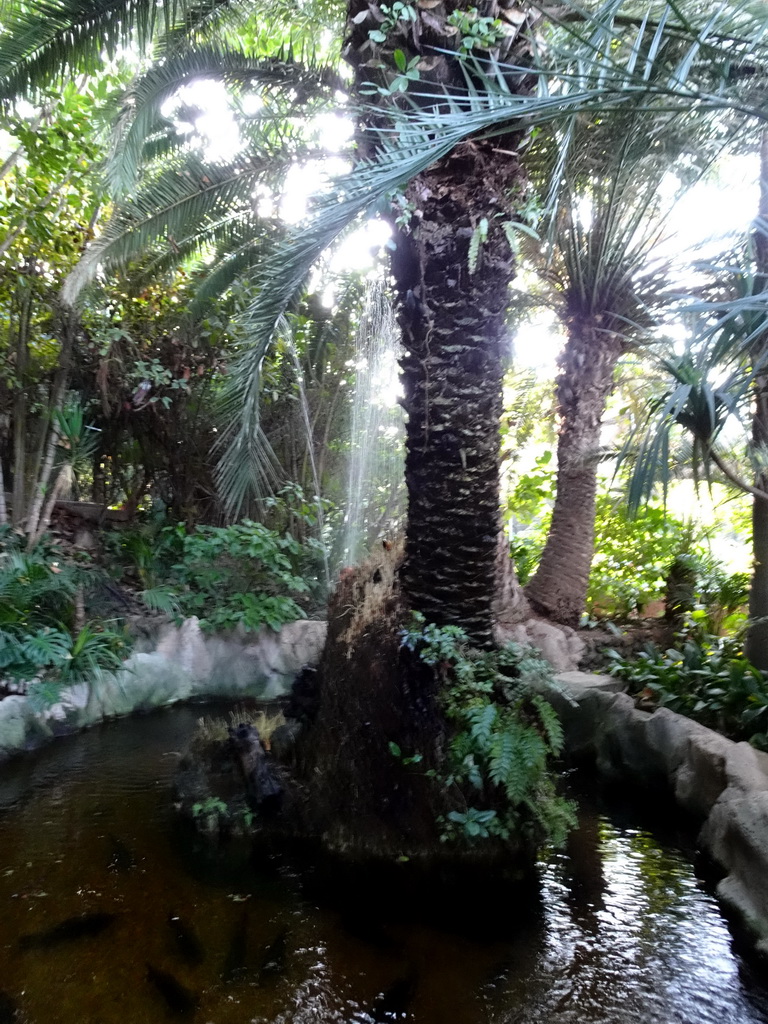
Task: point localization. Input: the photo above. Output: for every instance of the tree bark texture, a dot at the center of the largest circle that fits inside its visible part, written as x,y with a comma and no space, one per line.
453,323
558,589
452,318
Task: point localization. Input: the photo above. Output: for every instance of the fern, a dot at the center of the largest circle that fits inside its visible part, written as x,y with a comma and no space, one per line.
504,736
160,599
481,721
550,723
479,236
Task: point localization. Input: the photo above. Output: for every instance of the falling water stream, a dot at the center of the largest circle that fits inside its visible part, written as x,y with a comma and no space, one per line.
300,383
375,476
622,931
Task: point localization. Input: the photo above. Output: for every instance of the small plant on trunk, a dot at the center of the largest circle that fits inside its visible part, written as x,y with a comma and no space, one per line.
503,736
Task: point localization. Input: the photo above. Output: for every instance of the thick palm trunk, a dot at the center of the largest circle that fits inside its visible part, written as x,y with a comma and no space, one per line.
559,587
453,323
452,318
372,695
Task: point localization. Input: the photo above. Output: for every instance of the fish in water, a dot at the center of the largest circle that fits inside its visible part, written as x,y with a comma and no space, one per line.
121,858
178,998
394,1004
235,961
83,926
187,943
8,1009
272,963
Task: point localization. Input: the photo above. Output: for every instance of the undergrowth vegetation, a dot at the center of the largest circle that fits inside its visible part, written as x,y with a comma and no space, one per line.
43,643
244,575
503,737
707,679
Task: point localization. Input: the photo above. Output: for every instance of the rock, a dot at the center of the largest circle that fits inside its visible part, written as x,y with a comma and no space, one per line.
18,725
185,663
560,645
724,784
283,740
262,786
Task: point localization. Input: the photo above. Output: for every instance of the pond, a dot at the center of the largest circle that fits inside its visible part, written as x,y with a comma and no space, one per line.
112,913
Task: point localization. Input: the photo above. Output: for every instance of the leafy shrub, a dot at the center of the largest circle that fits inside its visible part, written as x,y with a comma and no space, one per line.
632,556
231,576
504,735
37,602
632,553
708,680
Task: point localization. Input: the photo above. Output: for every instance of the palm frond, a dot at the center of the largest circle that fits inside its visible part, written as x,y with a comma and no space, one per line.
185,205
703,395
143,101
45,42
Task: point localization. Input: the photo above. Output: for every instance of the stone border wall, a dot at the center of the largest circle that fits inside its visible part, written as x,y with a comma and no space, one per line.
724,784
185,664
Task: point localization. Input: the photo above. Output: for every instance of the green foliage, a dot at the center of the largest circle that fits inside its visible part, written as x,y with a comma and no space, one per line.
632,552
211,805
392,17
708,680
632,556
504,735
476,32
37,587
239,576
37,645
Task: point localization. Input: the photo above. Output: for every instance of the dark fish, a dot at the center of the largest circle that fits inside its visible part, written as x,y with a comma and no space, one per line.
395,1002
187,942
81,927
178,998
121,858
8,1009
235,961
272,963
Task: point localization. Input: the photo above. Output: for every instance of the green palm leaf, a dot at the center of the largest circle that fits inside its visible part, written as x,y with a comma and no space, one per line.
297,83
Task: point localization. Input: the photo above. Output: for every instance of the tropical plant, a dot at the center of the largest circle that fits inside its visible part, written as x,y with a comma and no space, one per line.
41,646
503,734
708,680
236,576
605,230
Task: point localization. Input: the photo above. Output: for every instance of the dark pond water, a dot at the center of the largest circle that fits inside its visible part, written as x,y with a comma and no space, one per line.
623,933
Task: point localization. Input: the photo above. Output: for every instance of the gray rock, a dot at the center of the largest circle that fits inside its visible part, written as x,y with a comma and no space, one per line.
724,784
184,663
560,645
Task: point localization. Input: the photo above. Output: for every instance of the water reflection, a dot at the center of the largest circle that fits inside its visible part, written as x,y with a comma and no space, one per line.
623,932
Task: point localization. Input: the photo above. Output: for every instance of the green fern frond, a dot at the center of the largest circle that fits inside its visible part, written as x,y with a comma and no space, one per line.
160,599
550,723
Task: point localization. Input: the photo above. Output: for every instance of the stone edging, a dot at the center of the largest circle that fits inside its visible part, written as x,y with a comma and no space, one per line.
724,784
185,664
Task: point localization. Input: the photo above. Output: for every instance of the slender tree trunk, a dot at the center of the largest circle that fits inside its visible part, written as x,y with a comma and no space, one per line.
559,587
20,409
756,647
35,525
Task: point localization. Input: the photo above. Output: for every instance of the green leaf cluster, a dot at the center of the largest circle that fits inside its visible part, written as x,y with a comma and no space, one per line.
504,734
708,680
241,576
38,644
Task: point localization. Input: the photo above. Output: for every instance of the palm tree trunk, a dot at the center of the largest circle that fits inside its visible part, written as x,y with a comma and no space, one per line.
453,326
559,587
